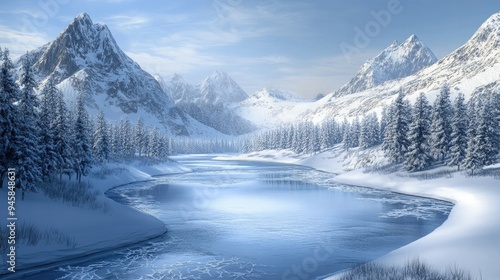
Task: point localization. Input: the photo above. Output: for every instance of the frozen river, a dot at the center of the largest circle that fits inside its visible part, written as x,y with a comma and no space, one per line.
247,220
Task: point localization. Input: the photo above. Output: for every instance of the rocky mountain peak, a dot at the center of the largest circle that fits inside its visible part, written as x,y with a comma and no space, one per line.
221,88
395,62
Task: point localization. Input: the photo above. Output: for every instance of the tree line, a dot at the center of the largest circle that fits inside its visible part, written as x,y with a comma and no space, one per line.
42,137
462,134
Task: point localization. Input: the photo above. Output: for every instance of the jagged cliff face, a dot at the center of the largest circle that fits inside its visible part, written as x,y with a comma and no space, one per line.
85,59
395,62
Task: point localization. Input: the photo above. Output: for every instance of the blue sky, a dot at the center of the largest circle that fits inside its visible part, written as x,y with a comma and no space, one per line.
306,47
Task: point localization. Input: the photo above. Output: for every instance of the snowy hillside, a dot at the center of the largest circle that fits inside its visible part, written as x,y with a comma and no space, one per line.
469,70
396,61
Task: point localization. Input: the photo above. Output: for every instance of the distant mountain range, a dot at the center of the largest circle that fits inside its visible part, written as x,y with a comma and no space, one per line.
84,58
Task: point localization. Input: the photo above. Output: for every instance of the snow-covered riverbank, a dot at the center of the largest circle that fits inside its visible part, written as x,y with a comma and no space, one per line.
468,239
62,231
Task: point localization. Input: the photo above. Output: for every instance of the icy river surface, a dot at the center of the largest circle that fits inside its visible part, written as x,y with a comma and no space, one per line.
249,220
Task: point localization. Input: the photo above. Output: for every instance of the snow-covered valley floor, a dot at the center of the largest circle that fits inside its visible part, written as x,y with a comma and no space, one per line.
468,239
59,231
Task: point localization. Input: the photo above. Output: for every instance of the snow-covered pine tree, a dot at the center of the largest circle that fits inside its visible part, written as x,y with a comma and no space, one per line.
486,132
28,136
355,131
60,127
369,132
495,118
139,136
324,137
291,135
82,148
315,141
480,151
49,155
154,143
395,143
418,156
101,146
384,119
114,141
126,139
347,136
297,139
441,124
459,123
9,115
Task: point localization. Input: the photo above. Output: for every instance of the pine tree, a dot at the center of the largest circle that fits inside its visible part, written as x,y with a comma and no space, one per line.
325,136
126,139
347,135
458,143
9,114
101,146
384,119
495,118
155,143
418,156
369,133
49,155
82,145
60,128
480,146
441,124
28,136
395,143
139,136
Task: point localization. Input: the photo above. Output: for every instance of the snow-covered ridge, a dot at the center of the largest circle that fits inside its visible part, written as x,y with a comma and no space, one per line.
396,61
470,70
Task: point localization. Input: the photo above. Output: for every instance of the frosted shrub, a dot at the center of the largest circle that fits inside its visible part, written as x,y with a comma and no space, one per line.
412,270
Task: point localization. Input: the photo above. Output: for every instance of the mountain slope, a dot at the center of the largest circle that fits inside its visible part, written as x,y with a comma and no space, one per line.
84,58
211,102
221,88
471,69
396,61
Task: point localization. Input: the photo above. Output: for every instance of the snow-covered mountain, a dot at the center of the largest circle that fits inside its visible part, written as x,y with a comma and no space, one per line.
268,108
211,102
84,58
471,69
395,62
178,89
221,88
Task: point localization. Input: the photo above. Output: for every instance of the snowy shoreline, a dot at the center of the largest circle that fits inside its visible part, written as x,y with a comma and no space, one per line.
93,231
468,239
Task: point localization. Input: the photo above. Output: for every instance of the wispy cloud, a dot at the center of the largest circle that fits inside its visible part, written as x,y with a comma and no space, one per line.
128,22
18,42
